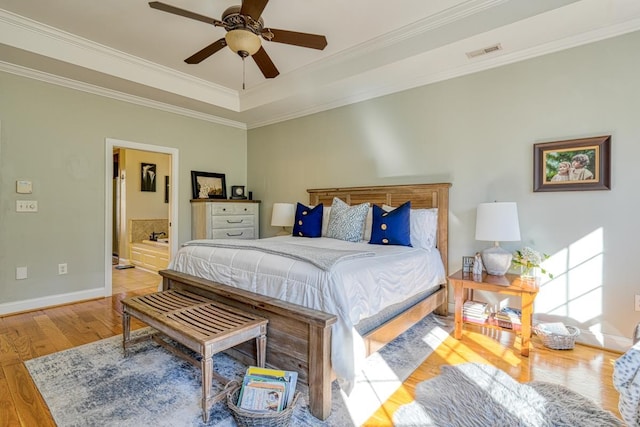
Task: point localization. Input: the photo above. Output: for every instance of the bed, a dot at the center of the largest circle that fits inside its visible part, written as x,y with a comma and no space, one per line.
299,337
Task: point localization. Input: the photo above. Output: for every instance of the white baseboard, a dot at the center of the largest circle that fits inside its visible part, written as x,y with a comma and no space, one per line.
609,342
50,301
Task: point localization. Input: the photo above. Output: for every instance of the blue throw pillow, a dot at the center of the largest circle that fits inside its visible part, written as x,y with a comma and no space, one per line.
393,227
308,221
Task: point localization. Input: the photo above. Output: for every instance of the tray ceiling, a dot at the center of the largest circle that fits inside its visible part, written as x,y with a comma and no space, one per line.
127,50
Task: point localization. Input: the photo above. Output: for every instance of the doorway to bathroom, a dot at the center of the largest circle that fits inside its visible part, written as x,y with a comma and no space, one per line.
141,208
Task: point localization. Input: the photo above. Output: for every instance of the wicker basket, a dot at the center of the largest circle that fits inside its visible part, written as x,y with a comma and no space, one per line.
556,341
246,418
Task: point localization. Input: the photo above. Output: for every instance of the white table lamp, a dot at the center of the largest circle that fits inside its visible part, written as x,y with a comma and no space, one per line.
497,222
283,216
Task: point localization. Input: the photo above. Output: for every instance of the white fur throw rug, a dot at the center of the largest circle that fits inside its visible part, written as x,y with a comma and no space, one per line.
473,394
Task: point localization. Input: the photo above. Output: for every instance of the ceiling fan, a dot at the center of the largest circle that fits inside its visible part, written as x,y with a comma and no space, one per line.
244,28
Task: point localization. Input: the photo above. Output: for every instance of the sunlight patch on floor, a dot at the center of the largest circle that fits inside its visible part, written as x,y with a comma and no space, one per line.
376,383
456,351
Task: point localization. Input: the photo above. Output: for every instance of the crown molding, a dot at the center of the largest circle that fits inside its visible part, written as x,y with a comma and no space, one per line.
418,80
320,85
113,94
322,72
32,36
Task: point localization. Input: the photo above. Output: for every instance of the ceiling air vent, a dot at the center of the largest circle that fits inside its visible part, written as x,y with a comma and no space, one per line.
484,51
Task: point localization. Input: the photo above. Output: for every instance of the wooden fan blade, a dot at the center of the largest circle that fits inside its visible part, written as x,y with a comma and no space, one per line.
265,64
253,8
200,56
313,41
185,13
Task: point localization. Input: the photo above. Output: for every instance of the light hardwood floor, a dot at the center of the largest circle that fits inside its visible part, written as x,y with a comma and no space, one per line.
133,279
586,370
28,335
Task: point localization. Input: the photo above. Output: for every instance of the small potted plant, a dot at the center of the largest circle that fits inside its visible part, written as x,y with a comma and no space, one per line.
529,261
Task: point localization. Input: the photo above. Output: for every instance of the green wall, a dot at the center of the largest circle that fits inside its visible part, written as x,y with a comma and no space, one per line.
55,137
477,132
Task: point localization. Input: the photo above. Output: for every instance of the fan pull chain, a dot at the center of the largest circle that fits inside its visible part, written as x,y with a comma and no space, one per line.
243,73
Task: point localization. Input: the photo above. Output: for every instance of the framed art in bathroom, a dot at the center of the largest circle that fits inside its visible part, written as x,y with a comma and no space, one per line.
208,185
148,177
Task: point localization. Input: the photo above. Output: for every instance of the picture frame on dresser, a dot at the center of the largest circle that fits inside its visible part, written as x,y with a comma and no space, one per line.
572,165
208,185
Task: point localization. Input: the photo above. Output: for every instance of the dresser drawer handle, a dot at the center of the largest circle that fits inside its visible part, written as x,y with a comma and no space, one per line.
234,235
234,222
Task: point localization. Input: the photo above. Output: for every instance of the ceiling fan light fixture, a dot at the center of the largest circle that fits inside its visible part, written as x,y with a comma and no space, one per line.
243,42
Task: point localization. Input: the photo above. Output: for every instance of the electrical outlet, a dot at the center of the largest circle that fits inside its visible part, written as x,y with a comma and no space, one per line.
637,302
62,268
26,206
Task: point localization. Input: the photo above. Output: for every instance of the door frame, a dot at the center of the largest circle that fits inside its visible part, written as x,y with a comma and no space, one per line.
110,144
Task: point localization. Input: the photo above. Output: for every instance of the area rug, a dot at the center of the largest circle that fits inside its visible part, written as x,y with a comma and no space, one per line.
94,385
472,394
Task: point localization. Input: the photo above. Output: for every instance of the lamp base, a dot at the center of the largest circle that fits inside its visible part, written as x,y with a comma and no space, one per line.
283,232
496,260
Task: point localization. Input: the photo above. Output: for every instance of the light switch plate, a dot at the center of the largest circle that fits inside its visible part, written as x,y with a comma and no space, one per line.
21,273
24,187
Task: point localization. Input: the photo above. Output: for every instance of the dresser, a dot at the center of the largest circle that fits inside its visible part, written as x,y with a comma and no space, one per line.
225,219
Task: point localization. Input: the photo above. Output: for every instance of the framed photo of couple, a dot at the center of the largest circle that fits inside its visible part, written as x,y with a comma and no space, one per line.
572,165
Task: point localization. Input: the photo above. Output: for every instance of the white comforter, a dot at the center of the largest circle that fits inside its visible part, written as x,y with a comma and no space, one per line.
353,289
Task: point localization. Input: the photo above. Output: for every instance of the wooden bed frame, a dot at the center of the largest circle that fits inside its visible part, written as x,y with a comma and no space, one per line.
299,338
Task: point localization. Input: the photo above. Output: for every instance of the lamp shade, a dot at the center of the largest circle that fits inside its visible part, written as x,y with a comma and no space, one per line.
283,215
243,41
497,222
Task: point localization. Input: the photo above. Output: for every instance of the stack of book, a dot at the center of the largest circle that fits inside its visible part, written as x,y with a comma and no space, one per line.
475,312
508,318
267,390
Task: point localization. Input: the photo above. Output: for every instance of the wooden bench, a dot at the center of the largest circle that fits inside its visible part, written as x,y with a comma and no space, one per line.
204,326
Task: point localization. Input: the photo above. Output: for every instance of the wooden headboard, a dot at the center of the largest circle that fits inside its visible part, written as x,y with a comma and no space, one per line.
420,195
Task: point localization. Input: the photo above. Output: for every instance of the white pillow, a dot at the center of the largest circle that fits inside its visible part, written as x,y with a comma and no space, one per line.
347,222
424,227
368,223
326,212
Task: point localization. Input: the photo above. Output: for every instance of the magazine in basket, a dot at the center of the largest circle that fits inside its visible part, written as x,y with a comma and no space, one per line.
267,390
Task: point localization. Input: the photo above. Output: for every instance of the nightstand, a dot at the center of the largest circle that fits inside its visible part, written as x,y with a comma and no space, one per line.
509,284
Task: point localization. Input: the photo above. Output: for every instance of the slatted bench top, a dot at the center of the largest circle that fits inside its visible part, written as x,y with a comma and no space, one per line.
202,319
